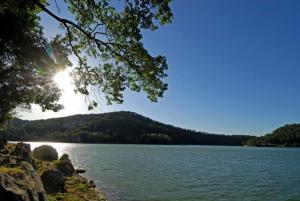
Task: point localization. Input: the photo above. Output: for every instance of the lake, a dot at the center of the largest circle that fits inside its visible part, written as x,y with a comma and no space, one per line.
208,173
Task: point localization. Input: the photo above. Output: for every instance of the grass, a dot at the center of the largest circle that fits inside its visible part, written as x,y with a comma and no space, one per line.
81,186
77,189
41,166
11,170
76,184
63,196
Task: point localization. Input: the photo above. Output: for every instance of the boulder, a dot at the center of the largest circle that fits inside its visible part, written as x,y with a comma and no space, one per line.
92,184
26,187
65,165
22,151
65,157
53,181
12,190
33,182
3,142
45,153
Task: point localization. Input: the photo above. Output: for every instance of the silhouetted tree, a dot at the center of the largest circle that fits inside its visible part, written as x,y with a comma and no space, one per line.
110,32
26,69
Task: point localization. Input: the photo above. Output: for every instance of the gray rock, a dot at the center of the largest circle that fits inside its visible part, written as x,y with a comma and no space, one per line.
64,157
45,153
92,184
31,175
66,167
53,181
12,190
27,187
23,151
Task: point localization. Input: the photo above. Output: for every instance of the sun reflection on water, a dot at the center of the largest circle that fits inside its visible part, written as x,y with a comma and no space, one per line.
60,147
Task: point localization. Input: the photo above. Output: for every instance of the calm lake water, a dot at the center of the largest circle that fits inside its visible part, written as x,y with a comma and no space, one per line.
167,173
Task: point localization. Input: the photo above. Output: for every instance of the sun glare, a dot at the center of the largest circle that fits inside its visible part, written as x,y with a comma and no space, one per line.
64,82
63,79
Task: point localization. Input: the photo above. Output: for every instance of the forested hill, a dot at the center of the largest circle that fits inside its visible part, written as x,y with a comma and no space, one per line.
285,136
114,127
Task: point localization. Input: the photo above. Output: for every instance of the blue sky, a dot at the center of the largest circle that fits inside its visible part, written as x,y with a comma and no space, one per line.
234,68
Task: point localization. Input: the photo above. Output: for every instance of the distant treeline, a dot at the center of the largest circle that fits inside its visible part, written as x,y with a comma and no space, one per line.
285,136
114,127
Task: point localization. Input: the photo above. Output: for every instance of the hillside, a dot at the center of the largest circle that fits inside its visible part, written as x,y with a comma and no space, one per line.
285,136
114,127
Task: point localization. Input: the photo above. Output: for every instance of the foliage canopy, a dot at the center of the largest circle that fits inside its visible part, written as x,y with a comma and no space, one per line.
107,32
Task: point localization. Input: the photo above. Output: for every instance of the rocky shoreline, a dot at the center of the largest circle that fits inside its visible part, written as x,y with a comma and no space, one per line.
39,175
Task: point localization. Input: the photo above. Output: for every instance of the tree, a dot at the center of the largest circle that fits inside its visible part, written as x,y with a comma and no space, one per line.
26,70
108,32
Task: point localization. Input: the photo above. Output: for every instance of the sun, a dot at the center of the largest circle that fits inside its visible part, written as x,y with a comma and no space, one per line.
65,83
74,103
63,80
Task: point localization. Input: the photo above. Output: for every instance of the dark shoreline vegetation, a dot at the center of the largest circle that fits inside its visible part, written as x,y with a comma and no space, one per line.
131,128
113,127
285,136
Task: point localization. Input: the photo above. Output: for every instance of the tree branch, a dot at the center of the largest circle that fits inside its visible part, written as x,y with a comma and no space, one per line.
98,42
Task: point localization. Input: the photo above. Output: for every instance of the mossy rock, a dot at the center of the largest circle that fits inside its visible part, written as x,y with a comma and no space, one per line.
45,153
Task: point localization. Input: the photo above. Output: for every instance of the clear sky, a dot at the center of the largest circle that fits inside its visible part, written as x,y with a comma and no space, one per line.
234,68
